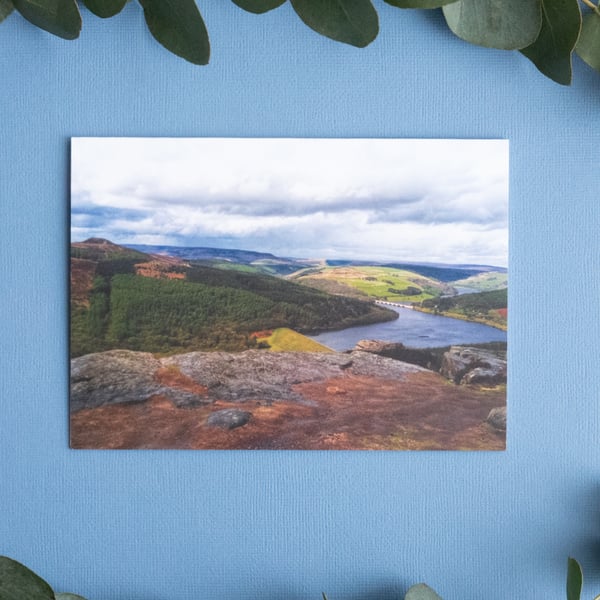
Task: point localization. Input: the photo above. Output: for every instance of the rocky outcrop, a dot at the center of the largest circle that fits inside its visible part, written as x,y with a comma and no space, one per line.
270,376
468,365
417,356
125,376
497,418
122,376
270,400
112,377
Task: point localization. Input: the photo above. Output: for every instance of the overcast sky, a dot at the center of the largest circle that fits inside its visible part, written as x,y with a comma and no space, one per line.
379,199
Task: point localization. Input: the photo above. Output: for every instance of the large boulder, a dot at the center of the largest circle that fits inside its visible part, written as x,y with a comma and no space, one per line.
497,418
123,376
417,356
112,377
468,365
228,418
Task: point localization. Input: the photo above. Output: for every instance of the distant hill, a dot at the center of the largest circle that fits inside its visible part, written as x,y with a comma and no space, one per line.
270,263
230,258
446,273
245,257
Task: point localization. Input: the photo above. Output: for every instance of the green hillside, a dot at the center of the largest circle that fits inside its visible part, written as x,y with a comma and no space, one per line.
381,283
484,282
484,307
287,340
212,309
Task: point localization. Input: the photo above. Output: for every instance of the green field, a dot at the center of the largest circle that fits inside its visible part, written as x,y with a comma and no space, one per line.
288,340
381,283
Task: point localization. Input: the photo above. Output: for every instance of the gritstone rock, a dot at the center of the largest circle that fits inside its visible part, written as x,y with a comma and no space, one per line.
463,364
229,418
497,418
270,376
416,356
121,376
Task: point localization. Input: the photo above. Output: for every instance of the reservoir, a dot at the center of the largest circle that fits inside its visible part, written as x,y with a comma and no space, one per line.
415,329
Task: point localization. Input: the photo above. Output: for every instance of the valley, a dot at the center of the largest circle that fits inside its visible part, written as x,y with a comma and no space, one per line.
181,299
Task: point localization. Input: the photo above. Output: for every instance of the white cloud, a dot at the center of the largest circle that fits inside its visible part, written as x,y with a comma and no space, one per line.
430,200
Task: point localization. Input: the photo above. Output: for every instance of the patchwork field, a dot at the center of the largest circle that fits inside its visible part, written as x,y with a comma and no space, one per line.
381,283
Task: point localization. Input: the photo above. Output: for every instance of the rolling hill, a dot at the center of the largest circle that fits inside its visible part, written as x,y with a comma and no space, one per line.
374,282
484,282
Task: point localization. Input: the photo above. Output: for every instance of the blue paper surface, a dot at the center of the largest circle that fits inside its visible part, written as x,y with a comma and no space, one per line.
163,525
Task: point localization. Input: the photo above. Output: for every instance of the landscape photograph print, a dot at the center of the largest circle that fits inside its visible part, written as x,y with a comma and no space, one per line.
288,294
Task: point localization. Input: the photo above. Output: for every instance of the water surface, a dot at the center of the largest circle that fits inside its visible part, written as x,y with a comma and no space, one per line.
413,328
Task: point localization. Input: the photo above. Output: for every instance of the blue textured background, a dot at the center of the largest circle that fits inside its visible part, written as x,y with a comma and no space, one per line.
175,525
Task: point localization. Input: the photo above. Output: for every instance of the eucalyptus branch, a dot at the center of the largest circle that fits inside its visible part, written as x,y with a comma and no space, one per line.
547,32
596,9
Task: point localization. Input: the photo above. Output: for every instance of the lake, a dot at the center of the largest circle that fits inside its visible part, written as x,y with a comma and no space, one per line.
413,328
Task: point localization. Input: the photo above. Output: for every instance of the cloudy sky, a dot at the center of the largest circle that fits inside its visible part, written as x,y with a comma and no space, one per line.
379,199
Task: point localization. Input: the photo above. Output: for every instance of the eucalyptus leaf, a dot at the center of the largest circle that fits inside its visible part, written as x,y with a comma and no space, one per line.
353,22
105,8
504,24
258,6
588,46
64,596
6,7
17,581
419,3
574,579
552,52
178,26
421,592
59,17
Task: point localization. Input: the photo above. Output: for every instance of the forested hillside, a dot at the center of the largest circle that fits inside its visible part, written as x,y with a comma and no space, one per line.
485,307
211,309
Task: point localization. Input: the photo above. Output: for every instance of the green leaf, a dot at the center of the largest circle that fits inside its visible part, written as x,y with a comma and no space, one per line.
551,53
17,581
178,26
419,3
6,7
65,596
574,579
258,6
59,17
353,22
105,8
505,24
421,592
588,46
